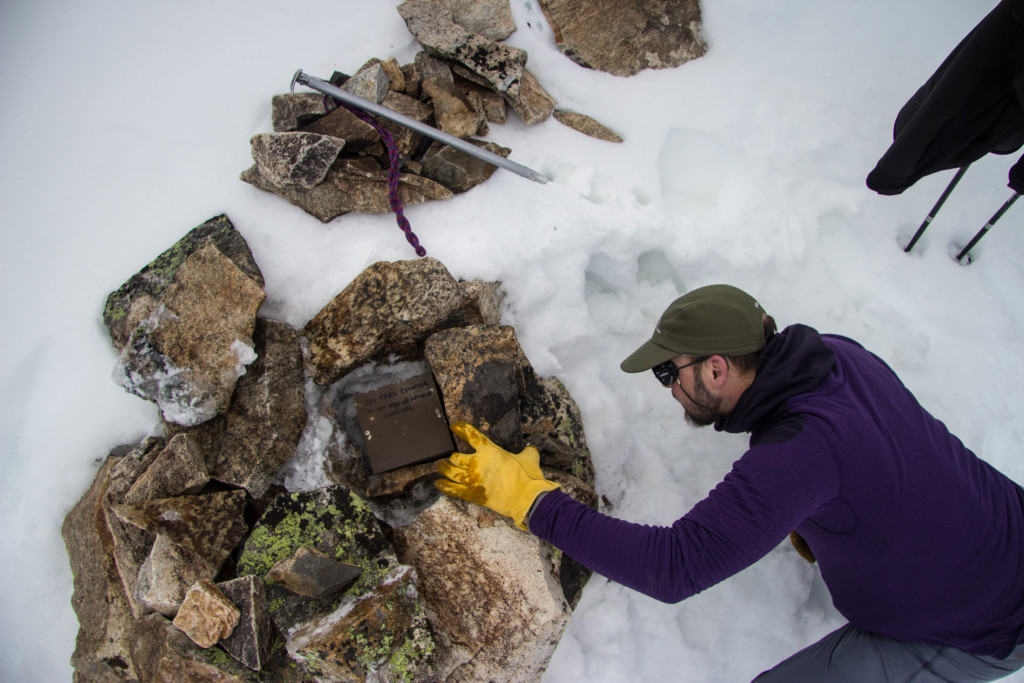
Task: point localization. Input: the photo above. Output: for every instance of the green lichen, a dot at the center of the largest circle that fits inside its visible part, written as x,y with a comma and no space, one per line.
267,546
218,657
114,312
359,505
370,654
408,657
343,526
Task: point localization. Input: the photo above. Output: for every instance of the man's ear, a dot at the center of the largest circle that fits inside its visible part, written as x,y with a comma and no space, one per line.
719,368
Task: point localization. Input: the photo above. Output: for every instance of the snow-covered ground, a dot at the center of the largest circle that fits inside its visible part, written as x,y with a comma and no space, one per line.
126,124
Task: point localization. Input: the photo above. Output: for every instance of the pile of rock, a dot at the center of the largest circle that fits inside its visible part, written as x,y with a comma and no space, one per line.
328,161
193,562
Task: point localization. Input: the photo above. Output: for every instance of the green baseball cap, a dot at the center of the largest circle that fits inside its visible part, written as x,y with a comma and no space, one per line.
717,319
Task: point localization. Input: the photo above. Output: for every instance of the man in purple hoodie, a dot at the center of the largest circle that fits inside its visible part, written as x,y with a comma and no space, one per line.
920,543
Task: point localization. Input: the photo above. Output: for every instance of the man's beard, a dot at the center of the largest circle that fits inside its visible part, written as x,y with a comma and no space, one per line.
705,411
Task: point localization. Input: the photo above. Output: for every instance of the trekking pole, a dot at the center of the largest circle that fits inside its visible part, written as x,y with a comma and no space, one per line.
988,226
935,209
469,148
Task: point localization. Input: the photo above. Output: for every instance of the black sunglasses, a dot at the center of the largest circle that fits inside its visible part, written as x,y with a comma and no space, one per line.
668,371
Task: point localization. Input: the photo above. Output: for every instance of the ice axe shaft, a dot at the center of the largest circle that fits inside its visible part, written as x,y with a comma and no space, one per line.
469,148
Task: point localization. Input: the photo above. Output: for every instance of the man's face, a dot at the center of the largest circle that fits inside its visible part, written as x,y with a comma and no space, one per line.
700,406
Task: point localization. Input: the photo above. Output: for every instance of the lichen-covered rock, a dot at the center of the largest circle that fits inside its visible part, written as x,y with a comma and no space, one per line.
388,303
333,521
492,591
187,355
477,370
206,615
623,37
382,635
137,298
551,421
433,25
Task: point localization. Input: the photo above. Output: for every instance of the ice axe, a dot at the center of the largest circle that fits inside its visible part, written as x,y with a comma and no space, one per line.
469,148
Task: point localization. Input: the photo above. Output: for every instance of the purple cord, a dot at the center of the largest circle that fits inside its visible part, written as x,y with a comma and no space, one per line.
393,199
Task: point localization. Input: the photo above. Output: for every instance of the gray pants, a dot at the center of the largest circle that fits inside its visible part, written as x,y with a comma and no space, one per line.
849,655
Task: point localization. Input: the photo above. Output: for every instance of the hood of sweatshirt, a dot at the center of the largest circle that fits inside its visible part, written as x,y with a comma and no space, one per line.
793,362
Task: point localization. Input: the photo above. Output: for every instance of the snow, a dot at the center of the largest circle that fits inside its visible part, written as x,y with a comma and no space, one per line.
127,124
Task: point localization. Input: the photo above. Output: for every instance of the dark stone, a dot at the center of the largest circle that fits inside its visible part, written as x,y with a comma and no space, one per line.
251,641
342,123
400,481
457,170
313,574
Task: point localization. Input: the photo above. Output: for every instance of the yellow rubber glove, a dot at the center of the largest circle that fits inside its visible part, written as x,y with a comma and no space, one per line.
507,483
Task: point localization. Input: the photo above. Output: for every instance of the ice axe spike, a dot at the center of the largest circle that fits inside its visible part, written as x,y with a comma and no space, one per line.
469,148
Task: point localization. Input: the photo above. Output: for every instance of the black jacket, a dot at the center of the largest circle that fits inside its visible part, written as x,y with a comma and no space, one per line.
971,106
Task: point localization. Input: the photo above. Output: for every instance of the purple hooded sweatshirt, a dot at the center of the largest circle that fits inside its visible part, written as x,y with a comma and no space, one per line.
916,538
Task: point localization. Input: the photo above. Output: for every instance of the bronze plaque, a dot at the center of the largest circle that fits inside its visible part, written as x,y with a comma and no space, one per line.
403,424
